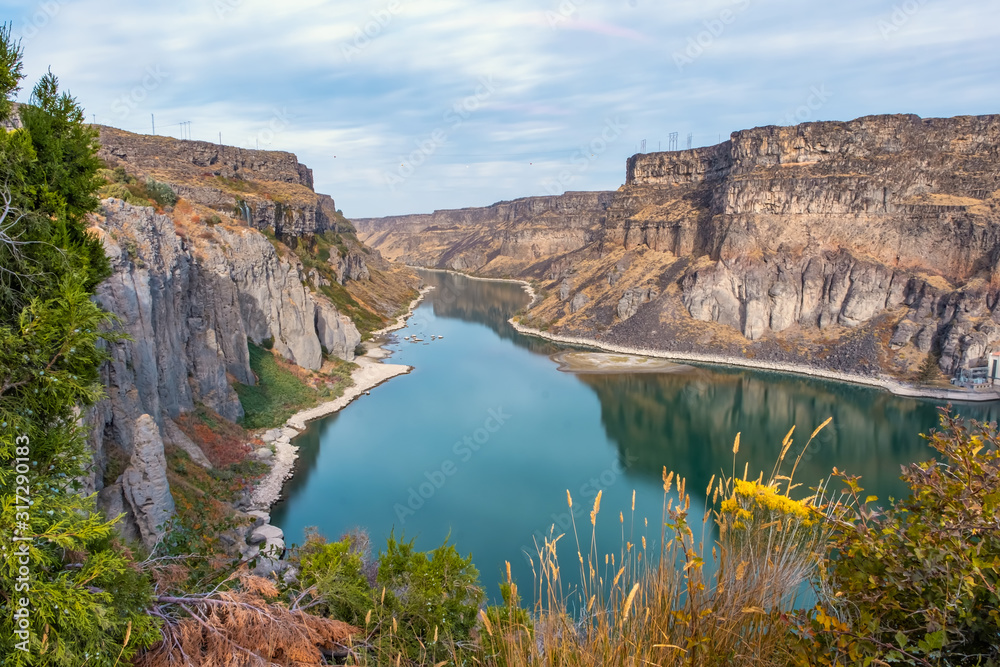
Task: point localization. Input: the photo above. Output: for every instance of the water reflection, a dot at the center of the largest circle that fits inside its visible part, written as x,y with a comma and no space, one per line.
487,302
612,433
687,422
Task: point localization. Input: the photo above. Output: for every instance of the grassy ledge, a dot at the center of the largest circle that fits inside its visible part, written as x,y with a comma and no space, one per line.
283,389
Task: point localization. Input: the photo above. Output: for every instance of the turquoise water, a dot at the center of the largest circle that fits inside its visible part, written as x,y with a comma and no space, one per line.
481,441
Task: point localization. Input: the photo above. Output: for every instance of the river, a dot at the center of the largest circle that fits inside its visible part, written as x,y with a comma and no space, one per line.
480,443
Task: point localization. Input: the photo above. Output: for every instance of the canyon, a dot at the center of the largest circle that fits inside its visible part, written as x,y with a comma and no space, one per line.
869,247
248,254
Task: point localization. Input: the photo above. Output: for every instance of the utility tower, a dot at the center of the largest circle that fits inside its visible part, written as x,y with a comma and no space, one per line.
672,142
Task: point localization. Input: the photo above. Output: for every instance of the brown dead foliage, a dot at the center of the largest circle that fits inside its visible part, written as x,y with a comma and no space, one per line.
242,629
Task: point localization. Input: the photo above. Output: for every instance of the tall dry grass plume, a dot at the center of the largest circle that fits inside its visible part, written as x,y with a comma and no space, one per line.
678,604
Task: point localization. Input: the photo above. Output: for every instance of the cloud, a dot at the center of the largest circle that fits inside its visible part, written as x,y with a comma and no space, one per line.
369,81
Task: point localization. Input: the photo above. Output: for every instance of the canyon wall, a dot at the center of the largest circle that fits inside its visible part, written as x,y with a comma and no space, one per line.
189,303
265,189
191,285
501,239
862,246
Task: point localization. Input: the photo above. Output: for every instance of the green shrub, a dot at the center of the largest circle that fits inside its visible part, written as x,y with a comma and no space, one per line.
121,191
161,193
919,582
419,605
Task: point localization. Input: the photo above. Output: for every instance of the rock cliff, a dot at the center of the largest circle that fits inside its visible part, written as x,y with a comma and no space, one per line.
248,253
265,189
861,246
189,304
502,239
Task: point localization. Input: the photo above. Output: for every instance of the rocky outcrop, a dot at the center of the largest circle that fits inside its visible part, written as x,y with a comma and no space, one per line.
189,304
265,189
144,483
151,152
337,333
792,238
634,297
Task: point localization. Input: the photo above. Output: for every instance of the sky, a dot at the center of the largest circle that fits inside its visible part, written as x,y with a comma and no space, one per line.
407,106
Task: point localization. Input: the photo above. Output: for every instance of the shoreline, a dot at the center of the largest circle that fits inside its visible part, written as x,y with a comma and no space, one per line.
892,386
525,285
371,372
401,319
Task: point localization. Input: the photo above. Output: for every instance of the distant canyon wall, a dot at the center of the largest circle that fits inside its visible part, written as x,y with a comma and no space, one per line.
505,237
795,239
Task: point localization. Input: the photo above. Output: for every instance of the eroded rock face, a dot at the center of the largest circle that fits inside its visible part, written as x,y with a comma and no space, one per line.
634,297
217,176
189,306
144,483
565,288
337,333
504,237
153,152
797,231
351,266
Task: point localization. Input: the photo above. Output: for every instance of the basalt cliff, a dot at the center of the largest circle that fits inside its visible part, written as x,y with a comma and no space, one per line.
866,247
247,254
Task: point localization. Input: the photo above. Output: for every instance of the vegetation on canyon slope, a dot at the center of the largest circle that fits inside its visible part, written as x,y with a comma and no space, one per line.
913,581
283,389
66,584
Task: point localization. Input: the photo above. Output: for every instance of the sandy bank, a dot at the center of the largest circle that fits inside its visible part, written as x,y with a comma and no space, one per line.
369,374
601,363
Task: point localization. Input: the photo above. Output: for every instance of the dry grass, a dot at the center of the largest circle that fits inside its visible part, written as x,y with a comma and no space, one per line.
242,628
644,606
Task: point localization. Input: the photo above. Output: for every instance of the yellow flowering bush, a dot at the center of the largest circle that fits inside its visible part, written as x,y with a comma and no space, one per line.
754,503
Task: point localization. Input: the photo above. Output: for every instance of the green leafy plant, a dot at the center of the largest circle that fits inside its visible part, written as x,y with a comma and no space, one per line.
86,598
918,582
161,193
417,606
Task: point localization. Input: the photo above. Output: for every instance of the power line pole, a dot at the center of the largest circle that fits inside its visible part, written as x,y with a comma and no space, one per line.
153,116
672,142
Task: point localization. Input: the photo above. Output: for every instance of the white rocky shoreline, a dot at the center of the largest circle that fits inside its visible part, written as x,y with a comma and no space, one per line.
266,539
893,386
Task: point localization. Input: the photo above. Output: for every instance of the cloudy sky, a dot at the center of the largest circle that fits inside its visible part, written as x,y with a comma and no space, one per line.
406,106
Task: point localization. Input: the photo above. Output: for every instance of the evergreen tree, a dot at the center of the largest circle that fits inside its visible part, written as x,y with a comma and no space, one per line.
69,593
